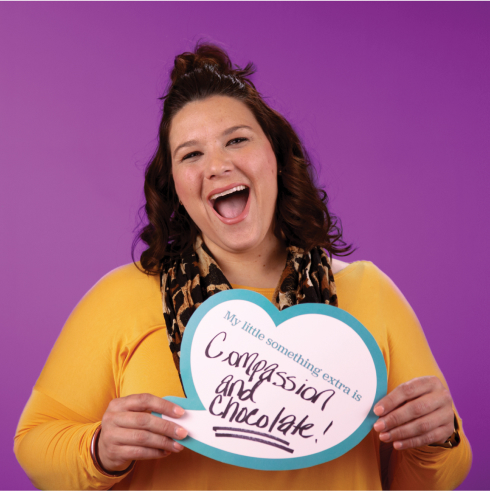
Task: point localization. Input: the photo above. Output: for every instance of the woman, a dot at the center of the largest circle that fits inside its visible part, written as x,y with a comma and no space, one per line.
230,203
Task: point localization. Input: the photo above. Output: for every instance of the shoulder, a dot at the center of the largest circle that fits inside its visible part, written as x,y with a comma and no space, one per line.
125,296
370,295
363,280
362,285
338,265
100,337
125,283
356,270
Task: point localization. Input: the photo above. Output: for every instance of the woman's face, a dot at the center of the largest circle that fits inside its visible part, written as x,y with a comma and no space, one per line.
225,173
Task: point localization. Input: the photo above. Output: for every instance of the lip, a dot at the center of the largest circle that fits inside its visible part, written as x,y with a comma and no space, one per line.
243,214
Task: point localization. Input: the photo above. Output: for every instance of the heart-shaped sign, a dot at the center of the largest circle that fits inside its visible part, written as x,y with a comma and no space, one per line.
274,390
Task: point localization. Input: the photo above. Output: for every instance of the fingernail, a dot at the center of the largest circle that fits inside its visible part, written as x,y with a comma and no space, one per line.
166,453
385,437
397,445
178,446
181,432
178,411
379,410
380,425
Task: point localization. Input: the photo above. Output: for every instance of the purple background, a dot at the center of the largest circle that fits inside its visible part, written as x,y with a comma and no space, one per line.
391,99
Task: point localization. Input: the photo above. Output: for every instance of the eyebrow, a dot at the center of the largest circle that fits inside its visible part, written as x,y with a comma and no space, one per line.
234,128
227,132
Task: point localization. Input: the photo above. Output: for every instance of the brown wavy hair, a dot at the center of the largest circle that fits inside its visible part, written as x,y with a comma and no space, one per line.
301,218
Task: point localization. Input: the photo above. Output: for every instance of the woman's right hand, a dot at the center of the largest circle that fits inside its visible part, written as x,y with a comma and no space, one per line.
129,432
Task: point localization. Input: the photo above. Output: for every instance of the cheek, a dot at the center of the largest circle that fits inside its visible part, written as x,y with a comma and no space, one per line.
271,161
273,171
265,163
186,184
179,187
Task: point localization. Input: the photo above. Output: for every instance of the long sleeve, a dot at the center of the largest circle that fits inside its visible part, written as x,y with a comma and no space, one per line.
84,372
115,344
386,313
53,446
425,467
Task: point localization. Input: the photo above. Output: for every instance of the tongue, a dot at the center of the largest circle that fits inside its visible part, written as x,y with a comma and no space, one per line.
232,205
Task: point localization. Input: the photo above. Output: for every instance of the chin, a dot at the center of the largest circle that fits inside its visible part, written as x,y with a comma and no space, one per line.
240,243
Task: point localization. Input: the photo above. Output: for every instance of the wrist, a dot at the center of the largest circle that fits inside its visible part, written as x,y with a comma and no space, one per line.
452,441
94,453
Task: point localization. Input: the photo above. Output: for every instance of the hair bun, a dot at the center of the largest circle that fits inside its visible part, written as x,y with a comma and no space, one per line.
207,56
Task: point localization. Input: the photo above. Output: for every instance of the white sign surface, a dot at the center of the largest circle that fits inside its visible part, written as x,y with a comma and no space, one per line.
277,390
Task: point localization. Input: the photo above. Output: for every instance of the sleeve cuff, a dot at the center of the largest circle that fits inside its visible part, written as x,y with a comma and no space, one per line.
95,458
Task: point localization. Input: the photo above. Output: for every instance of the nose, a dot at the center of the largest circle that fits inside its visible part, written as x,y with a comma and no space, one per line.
218,164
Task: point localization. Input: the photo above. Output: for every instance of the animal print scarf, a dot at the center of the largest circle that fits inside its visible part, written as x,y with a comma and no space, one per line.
191,279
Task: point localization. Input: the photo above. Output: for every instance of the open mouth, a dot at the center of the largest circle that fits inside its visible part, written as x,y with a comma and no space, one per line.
230,203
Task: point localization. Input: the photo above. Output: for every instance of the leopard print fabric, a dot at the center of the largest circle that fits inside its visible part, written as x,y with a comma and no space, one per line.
191,279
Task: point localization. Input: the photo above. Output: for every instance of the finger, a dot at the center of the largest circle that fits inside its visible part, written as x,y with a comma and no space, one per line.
147,403
439,434
406,392
410,411
442,417
153,424
141,438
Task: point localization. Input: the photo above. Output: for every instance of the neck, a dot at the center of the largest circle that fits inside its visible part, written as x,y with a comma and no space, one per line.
258,268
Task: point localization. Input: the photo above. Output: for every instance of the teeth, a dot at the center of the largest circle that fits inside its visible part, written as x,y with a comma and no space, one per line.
228,191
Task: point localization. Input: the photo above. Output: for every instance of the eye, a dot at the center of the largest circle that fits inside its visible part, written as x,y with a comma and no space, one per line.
191,155
237,140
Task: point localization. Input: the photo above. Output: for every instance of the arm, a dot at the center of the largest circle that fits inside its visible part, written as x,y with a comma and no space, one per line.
86,370
418,408
52,444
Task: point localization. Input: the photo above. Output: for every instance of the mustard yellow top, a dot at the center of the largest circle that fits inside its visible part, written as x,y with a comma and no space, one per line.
115,344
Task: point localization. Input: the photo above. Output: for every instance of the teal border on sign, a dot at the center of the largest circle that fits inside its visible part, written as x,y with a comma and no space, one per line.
193,402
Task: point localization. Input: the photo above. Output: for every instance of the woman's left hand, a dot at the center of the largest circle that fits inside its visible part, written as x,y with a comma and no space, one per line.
416,413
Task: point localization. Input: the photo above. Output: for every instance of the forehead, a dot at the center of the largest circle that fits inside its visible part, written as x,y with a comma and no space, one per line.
208,118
